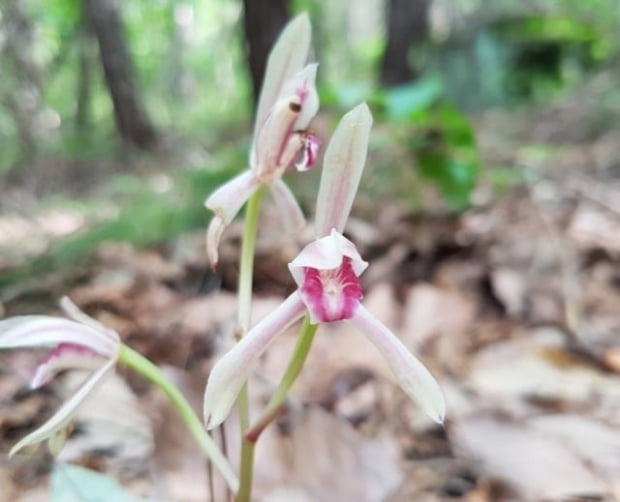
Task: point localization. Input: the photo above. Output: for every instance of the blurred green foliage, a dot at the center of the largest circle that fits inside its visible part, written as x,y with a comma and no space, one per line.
438,138
189,65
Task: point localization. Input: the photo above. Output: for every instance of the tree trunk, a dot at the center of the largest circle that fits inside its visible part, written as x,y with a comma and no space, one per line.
263,20
407,27
132,121
86,65
20,89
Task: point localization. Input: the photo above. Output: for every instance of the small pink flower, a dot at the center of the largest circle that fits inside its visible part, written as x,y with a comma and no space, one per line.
327,275
81,343
287,104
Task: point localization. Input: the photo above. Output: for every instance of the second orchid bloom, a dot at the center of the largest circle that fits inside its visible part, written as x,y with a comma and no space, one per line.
327,275
287,104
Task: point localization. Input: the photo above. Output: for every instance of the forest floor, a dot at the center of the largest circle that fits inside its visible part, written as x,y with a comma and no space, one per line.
513,305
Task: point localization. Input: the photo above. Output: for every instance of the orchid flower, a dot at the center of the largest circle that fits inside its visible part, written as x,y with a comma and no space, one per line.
327,275
80,343
287,104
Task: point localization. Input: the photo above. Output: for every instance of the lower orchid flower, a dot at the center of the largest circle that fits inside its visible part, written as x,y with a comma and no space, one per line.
327,276
81,343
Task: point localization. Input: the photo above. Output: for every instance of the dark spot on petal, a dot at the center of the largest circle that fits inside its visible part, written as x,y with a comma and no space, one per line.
294,107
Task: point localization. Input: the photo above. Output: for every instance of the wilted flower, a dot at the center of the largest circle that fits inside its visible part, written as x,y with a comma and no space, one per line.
287,104
327,275
81,343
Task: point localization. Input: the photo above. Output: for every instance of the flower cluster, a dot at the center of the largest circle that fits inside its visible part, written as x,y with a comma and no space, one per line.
326,271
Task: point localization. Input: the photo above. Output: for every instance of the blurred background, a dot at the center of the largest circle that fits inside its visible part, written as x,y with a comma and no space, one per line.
490,210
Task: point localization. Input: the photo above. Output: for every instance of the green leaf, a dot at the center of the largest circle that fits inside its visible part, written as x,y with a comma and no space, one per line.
455,178
71,483
403,102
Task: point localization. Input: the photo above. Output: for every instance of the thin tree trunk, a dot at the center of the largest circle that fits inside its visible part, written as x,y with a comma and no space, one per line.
132,122
20,89
407,27
84,83
263,20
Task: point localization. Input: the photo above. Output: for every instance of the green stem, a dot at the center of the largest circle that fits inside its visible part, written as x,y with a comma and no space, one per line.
246,261
153,374
302,348
244,301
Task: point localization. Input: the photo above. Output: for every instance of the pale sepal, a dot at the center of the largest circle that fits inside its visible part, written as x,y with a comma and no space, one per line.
67,411
65,356
44,331
226,202
234,368
228,199
74,312
288,207
214,236
286,58
410,373
343,165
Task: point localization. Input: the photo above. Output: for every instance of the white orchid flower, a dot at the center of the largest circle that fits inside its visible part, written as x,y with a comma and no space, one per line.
287,104
327,275
80,343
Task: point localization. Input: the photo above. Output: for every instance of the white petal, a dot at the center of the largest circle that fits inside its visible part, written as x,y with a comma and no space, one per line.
233,369
292,215
45,331
286,58
326,254
228,199
226,202
74,312
411,374
343,165
65,356
66,412
214,236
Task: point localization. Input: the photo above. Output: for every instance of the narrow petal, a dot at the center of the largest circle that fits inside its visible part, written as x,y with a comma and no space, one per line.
342,169
74,312
286,58
228,199
233,369
226,202
67,411
326,254
292,215
411,374
214,236
65,356
45,331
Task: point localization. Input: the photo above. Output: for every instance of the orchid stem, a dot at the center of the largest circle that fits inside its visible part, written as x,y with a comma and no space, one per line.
153,374
300,353
246,275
